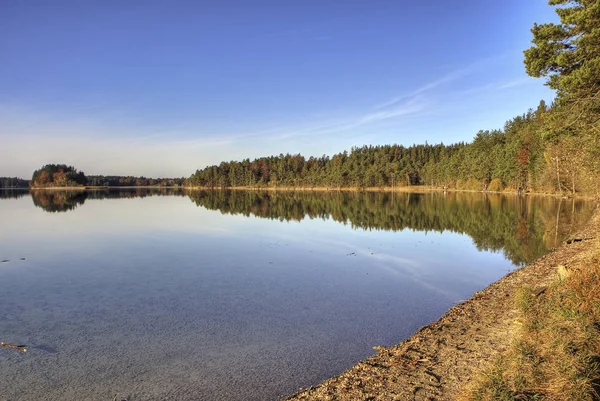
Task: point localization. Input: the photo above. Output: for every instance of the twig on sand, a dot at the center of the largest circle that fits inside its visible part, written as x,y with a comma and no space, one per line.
17,347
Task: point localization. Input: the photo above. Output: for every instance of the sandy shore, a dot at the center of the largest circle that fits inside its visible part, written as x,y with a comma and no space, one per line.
413,189
440,359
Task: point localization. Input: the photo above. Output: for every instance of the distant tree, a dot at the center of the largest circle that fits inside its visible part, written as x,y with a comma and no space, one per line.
13,182
130,181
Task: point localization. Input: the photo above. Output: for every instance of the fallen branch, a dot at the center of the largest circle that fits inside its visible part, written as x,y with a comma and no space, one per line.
579,239
17,347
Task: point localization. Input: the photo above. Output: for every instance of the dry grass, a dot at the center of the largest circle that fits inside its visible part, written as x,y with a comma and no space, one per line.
556,355
469,185
496,185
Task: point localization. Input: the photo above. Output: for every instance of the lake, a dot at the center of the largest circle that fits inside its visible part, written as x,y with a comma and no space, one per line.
240,295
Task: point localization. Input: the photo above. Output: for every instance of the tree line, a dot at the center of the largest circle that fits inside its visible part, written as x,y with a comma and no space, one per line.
131,181
13,182
552,148
521,156
61,175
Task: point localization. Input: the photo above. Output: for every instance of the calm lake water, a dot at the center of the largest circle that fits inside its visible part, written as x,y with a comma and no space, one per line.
173,295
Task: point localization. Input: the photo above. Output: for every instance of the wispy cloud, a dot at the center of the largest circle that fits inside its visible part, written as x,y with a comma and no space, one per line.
411,106
414,104
517,82
495,86
448,77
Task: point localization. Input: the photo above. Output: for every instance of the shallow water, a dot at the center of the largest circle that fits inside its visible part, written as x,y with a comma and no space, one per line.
239,295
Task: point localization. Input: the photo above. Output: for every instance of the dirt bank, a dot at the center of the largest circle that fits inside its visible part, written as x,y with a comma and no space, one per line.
439,360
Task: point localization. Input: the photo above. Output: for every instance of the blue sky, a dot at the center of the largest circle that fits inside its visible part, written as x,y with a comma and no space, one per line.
161,88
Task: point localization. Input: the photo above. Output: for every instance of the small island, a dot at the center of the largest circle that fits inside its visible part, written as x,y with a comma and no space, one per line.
62,176
58,176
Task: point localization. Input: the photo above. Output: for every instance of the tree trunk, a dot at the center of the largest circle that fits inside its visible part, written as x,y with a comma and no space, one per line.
558,175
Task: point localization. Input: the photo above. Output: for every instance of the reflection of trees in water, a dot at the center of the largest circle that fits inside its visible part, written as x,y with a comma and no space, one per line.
519,226
13,193
524,228
58,201
133,193
65,200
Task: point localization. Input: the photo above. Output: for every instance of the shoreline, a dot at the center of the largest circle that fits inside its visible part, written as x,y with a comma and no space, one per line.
92,188
417,189
442,358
